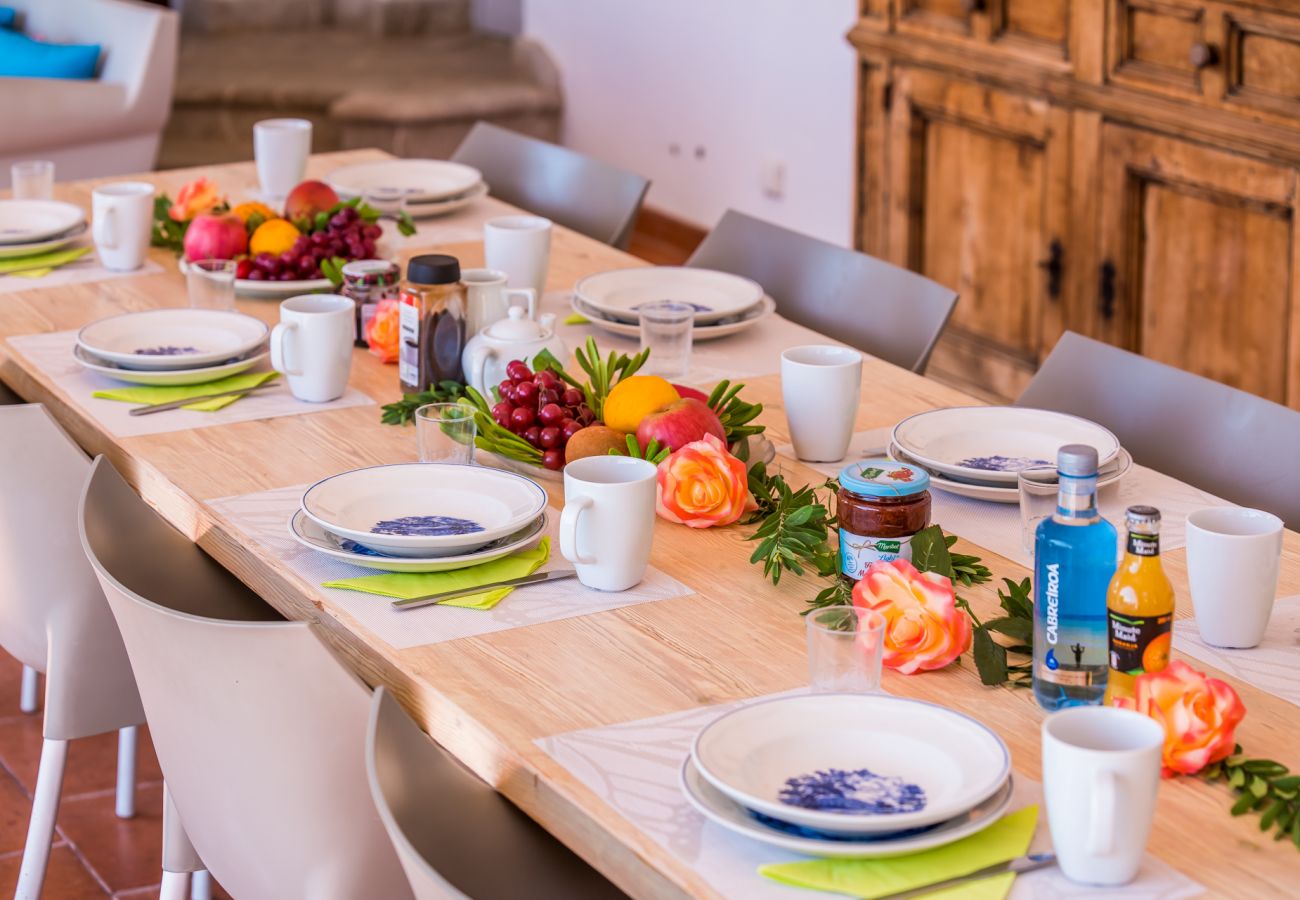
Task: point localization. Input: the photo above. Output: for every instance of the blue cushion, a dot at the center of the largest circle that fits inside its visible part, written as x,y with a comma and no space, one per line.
24,57
7,14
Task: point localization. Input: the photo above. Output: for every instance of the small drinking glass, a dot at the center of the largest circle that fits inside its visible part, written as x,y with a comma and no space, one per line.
445,433
1038,489
389,201
845,649
211,284
667,327
33,179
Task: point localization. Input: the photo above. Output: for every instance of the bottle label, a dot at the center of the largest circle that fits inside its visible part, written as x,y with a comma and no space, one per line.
1143,544
408,354
1139,643
857,552
1070,639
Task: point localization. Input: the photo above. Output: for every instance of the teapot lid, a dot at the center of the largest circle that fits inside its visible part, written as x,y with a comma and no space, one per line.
516,327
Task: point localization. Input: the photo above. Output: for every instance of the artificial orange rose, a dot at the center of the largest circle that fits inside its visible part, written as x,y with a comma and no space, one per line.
1199,715
383,333
924,629
196,197
702,485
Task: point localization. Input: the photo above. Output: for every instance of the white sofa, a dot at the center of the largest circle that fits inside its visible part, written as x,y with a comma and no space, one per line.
109,126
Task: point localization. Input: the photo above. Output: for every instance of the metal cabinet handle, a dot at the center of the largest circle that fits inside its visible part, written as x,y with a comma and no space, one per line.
1202,55
972,6
1054,266
1106,290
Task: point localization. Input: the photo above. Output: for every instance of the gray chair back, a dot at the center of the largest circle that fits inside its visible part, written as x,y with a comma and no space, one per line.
576,191
449,827
879,308
1223,440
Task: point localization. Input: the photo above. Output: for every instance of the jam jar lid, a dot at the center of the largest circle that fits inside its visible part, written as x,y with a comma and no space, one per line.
370,272
883,478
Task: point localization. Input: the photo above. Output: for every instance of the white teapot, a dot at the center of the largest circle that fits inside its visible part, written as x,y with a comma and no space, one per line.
515,337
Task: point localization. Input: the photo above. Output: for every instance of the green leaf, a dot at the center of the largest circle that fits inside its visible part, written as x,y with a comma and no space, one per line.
990,658
930,551
1243,804
1237,778
1258,786
1020,629
1265,767
1289,783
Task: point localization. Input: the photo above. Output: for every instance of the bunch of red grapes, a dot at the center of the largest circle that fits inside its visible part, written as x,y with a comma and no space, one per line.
345,235
542,410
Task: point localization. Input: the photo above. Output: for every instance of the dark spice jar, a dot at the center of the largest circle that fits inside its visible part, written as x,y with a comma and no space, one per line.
433,308
882,504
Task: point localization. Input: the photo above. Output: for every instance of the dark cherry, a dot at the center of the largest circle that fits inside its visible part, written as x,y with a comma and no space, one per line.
550,437
553,459
533,435
522,417
570,427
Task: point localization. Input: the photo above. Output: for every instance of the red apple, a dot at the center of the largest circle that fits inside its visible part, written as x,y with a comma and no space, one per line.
679,423
691,392
215,236
309,198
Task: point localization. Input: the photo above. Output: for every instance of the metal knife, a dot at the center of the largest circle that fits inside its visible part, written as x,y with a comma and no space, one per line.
1019,866
176,404
535,578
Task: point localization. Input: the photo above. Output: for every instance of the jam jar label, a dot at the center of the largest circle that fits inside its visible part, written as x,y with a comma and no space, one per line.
857,552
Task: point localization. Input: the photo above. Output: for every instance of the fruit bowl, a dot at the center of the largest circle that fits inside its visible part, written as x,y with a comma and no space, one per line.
267,290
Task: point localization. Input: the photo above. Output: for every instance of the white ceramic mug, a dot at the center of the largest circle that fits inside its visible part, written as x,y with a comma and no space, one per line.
488,298
820,386
281,148
122,214
1233,556
1101,770
313,345
520,246
608,520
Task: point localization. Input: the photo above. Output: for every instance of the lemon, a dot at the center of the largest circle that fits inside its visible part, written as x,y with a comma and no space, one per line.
274,237
632,399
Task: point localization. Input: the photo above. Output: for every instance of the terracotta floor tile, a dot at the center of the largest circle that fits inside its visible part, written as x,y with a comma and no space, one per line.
11,675
65,878
15,810
124,853
92,761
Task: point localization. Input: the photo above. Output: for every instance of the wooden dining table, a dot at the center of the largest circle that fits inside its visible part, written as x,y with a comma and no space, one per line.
488,698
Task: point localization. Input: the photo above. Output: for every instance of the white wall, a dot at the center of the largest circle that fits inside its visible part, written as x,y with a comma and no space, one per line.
753,82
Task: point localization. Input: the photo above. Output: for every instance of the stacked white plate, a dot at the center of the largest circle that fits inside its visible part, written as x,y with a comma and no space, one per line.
849,775
433,187
172,346
38,226
418,517
978,451
724,303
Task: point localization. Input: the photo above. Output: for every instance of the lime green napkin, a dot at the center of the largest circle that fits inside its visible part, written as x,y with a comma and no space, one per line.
42,260
151,394
404,586
1004,840
577,319
33,273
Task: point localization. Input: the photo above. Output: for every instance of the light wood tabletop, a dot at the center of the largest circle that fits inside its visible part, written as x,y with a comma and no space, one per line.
488,698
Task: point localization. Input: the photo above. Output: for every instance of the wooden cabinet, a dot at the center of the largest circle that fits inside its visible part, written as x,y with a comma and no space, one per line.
1126,169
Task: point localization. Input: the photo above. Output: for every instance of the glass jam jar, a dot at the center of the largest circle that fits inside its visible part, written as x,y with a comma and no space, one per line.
367,281
882,504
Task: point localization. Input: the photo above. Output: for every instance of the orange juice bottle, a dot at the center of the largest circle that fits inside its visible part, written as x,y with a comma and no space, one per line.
1140,606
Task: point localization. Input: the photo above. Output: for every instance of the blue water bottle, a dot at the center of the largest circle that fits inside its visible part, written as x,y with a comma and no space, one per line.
1074,559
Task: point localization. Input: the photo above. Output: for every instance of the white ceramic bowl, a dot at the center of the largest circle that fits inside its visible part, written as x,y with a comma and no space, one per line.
810,747
159,339
413,501
168,377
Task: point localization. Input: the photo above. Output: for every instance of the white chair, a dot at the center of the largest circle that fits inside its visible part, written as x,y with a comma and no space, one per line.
107,126
259,731
449,826
53,619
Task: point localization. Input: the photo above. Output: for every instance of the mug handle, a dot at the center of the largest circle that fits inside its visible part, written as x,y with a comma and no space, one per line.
280,344
569,531
105,229
530,299
478,370
1101,814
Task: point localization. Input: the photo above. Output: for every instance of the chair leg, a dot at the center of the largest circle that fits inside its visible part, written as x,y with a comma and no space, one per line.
175,885
126,738
201,885
29,691
40,831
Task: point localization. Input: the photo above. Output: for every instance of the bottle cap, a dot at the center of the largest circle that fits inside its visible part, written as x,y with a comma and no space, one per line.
1077,460
1143,519
433,268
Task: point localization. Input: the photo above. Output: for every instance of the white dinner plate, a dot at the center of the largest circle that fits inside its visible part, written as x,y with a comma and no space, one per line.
718,807
993,443
46,245
273,290
428,209
171,339
424,510
723,328
310,534
29,221
420,179
994,493
168,377
852,763
715,295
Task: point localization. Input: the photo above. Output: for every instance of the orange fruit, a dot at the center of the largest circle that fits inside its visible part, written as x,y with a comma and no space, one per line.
632,399
274,237
1156,656
246,210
